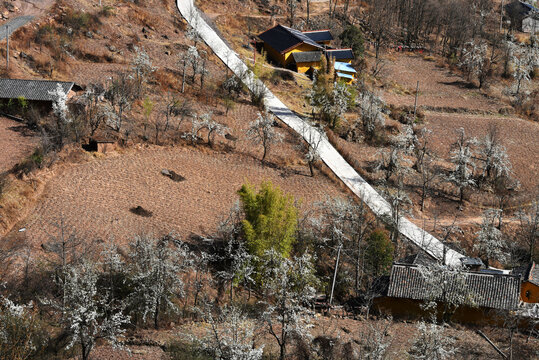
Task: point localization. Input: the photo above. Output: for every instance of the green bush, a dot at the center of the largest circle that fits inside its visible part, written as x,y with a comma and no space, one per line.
379,253
271,219
352,37
181,350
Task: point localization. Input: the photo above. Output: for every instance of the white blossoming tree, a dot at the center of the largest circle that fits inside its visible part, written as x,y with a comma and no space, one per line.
432,344
371,116
289,287
230,335
462,159
88,315
156,267
261,131
21,335
490,243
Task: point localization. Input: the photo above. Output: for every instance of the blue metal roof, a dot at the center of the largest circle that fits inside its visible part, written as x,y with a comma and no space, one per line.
341,66
319,35
343,75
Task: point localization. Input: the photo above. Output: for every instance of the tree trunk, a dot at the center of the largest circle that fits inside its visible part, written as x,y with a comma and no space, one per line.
156,315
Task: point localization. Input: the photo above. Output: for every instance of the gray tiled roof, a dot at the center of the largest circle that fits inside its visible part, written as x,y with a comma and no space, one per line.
282,38
340,54
496,291
36,90
307,56
319,35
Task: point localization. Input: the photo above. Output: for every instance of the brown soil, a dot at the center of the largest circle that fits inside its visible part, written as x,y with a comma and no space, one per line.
95,197
16,142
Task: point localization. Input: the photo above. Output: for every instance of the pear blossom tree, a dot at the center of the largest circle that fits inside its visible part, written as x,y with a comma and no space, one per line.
21,336
493,157
431,343
371,116
475,60
289,285
142,67
230,335
61,112
261,131
463,164
156,267
88,315
490,243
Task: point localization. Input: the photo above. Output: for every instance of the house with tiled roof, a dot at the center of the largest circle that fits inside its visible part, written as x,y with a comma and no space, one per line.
32,90
322,37
303,51
341,55
485,293
529,274
344,72
280,42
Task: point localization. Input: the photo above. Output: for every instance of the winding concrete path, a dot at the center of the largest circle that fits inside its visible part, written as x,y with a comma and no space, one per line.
329,155
13,25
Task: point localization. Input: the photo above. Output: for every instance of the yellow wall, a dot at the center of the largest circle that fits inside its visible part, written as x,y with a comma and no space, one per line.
303,47
305,66
275,55
533,292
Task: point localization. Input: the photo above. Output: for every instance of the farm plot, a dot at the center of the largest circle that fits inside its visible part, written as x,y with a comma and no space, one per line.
520,137
102,198
438,87
16,142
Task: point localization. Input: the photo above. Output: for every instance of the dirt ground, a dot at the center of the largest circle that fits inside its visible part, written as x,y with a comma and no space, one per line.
16,142
400,336
95,198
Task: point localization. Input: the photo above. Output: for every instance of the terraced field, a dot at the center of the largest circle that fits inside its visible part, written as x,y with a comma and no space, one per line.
95,198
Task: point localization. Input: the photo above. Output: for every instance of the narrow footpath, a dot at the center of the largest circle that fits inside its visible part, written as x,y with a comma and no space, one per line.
329,155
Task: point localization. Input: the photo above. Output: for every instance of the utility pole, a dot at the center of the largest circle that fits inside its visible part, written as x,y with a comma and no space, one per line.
416,94
335,275
7,48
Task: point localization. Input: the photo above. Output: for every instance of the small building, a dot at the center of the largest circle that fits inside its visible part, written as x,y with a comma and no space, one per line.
322,37
341,55
472,264
344,72
530,24
490,293
529,275
280,42
34,90
307,61
523,16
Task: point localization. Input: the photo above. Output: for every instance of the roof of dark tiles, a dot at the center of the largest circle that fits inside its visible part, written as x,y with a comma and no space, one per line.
36,90
283,38
319,35
497,291
307,56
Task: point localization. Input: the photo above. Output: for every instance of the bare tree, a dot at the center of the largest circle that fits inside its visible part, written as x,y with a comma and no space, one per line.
428,175
121,94
261,131
529,227
311,138
291,5
93,112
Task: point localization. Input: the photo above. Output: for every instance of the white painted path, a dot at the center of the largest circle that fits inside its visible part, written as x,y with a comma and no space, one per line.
329,155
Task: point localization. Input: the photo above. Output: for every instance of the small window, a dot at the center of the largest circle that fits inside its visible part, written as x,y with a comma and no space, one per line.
528,293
